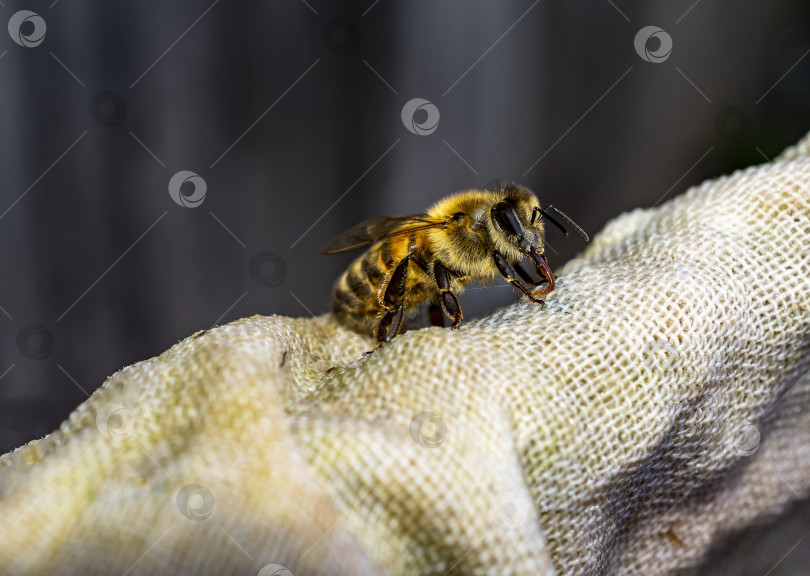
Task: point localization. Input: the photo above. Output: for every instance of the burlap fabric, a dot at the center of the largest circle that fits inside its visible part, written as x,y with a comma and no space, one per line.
657,403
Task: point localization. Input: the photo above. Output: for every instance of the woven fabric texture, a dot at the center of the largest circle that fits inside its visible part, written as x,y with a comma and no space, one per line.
655,405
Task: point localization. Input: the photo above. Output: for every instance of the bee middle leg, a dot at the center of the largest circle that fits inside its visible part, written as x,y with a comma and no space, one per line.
448,300
435,314
509,274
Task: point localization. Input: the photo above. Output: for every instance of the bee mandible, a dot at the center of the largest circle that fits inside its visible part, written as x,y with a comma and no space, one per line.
474,235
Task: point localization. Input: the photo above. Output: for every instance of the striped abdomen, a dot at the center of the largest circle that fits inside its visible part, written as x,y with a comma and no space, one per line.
359,291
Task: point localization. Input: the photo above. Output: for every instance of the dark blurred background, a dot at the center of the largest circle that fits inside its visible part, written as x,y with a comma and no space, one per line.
168,166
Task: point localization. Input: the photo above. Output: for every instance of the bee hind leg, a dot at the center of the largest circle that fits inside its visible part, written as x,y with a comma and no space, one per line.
448,300
509,274
393,305
390,323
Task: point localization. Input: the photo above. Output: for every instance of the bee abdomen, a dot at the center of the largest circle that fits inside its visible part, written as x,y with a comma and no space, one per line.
360,284
370,269
355,298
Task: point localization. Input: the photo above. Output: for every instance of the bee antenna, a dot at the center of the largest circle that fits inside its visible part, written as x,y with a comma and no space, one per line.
562,215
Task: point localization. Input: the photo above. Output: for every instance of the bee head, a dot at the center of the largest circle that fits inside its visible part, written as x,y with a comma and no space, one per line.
515,219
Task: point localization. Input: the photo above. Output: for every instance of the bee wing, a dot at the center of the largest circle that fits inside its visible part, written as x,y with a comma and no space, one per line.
374,229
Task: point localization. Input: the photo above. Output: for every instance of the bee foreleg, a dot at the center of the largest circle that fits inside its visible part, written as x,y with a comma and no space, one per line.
525,276
448,299
527,279
541,266
510,275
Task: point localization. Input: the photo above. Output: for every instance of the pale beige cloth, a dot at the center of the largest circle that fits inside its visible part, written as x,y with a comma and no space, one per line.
657,403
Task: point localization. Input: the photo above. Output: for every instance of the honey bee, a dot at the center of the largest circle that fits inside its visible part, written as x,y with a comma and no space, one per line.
474,235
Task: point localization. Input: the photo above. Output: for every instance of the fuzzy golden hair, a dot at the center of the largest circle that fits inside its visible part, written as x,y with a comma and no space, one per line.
460,232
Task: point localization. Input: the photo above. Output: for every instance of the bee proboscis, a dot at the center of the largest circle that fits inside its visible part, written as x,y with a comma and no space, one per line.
475,235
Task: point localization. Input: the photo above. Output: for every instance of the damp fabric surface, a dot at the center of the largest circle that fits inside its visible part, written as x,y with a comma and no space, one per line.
657,404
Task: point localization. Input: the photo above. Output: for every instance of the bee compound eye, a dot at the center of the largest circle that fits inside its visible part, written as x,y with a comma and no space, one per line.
506,218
